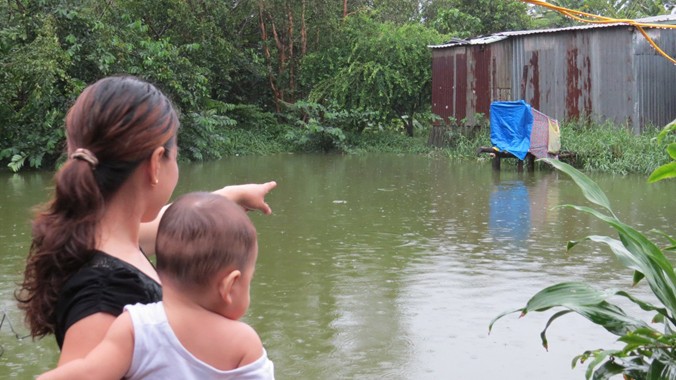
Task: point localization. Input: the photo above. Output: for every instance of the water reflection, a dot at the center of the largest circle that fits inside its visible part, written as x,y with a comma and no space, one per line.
519,205
509,220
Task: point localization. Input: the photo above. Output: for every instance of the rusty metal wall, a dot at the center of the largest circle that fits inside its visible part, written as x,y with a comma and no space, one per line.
443,81
655,80
608,73
613,93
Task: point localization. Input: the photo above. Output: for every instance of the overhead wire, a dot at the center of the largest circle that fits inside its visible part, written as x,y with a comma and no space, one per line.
596,19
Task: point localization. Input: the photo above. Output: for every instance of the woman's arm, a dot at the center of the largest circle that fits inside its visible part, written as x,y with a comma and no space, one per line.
110,359
249,196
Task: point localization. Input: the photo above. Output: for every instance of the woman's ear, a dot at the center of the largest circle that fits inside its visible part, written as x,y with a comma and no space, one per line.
154,165
226,285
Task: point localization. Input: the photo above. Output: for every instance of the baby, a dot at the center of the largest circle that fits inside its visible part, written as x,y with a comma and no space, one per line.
206,255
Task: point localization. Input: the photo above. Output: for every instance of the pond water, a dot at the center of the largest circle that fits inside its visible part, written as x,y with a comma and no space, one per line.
388,266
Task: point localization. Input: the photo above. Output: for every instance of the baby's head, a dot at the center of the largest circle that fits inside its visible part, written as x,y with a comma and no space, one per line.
202,239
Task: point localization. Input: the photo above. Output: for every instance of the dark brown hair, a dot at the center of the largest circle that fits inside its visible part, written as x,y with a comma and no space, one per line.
121,120
201,234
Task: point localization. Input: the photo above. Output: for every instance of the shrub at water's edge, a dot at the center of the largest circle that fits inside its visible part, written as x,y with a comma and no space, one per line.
247,130
648,352
614,149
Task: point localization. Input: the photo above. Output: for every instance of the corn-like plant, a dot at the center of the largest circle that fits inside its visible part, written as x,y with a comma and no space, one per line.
649,350
667,170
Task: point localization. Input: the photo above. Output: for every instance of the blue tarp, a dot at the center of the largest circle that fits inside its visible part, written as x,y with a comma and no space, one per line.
511,125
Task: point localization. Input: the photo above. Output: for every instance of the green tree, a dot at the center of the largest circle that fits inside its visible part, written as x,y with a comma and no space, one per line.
36,83
468,18
52,49
287,31
374,66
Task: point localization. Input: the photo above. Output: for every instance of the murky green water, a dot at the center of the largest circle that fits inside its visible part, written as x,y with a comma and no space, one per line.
391,266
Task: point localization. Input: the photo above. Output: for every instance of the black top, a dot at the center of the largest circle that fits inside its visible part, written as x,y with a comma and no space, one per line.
103,285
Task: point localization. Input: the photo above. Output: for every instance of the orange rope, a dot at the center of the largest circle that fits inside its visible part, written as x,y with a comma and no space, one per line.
596,19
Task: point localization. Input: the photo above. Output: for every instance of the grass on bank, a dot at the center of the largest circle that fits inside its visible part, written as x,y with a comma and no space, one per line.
596,147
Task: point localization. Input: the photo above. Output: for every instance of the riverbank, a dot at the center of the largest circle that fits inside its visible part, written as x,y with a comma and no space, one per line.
597,147
603,148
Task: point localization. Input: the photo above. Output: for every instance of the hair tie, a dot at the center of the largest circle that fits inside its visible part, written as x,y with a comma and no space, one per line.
85,155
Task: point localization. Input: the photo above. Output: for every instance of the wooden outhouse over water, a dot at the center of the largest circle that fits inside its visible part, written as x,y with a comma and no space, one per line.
605,72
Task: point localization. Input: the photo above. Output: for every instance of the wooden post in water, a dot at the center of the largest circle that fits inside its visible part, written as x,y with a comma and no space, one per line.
496,162
531,162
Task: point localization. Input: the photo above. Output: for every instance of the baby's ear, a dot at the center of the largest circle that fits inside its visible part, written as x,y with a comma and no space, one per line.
226,284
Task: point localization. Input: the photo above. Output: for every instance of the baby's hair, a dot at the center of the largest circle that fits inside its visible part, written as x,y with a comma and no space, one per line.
201,234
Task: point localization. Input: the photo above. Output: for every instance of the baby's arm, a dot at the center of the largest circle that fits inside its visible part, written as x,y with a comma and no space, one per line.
253,351
110,359
249,196
248,342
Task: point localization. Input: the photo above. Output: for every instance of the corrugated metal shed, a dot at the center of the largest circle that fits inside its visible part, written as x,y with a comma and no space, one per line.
602,71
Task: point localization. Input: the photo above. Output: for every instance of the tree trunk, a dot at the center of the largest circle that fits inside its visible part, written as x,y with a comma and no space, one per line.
303,33
408,125
289,38
268,57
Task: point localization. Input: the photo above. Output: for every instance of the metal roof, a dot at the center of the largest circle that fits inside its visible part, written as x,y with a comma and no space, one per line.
485,40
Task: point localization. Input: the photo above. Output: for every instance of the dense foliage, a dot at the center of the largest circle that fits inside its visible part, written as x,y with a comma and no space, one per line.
317,74
372,67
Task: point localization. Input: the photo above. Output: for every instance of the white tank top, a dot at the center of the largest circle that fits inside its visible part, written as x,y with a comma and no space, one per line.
158,354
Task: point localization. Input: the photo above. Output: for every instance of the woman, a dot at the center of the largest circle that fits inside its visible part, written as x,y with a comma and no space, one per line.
88,256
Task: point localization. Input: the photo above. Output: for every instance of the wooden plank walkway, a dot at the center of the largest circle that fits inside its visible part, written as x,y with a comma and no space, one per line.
530,159
498,155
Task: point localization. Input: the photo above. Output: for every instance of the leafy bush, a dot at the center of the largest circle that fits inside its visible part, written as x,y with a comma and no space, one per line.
648,352
611,148
321,128
387,141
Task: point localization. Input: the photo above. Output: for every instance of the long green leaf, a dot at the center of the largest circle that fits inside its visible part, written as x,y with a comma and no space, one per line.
663,172
587,302
638,276
543,334
653,264
671,127
655,372
607,370
644,336
646,306
566,294
490,325
671,240
599,356
671,149
610,317
589,188
636,367
627,259
663,366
